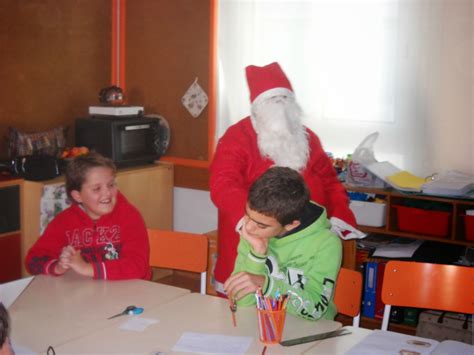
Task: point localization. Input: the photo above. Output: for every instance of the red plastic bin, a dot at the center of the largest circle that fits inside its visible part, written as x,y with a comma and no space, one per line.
428,222
469,227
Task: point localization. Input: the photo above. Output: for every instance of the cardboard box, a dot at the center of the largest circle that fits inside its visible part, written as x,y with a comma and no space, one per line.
369,213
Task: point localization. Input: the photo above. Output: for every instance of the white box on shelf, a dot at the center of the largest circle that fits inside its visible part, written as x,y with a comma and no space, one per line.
369,213
115,110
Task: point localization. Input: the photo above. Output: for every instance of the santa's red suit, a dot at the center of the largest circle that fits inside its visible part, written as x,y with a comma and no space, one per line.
238,162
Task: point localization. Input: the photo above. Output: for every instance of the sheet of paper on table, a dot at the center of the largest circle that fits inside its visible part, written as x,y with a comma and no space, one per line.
10,291
212,343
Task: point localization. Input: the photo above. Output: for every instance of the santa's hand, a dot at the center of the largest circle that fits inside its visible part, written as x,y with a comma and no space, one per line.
243,283
344,230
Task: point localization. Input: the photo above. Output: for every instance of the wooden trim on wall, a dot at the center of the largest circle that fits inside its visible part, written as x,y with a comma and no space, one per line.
118,43
191,177
189,173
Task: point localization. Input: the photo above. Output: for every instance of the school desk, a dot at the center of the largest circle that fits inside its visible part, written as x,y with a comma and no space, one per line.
56,310
192,313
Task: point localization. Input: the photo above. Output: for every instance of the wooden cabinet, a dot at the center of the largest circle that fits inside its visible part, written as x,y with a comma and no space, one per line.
149,188
447,227
10,229
456,228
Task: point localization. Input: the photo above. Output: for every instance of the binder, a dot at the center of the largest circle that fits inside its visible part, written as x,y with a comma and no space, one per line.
379,305
368,304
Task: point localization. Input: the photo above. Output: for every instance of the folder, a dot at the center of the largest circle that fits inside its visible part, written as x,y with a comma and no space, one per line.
379,305
368,304
406,181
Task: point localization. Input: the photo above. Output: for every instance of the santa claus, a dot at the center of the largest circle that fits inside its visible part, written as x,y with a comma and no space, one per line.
272,135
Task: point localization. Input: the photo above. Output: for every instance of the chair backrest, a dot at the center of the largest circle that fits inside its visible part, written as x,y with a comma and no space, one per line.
179,251
348,294
424,285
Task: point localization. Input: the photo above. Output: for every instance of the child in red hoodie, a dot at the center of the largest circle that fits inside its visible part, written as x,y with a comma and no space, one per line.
101,235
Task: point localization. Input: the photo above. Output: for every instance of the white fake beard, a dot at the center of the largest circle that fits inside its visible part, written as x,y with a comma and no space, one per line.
280,134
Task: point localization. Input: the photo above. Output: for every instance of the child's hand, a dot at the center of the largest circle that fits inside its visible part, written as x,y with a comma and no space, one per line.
72,258
60,268
258,244
243,283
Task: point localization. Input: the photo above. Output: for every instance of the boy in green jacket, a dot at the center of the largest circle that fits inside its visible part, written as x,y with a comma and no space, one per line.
286,247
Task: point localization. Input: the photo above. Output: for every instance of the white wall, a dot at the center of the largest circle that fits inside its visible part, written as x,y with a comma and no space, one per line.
437,118
193,211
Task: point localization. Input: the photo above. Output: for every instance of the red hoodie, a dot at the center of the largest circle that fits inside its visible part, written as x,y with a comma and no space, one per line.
116,244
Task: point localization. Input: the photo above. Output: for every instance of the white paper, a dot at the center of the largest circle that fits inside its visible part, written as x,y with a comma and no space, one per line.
450,183
451,347
137,324
23,350
381,342
212,343
397,250
10,291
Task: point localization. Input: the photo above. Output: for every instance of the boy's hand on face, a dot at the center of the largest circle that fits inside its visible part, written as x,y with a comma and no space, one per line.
258,244
243,283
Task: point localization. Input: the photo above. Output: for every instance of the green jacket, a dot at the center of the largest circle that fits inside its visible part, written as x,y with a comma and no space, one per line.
303,264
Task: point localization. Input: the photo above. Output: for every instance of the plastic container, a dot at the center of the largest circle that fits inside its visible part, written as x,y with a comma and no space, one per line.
369,213
469,227
420,221
270,325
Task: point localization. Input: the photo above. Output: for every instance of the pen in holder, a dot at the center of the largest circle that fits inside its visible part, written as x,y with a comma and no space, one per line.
271,314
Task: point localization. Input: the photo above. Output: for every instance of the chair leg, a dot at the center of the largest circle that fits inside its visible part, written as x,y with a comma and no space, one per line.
203,282
386,316
356,321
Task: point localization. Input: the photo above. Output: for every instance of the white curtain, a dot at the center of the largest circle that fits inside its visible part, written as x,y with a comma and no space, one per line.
403,68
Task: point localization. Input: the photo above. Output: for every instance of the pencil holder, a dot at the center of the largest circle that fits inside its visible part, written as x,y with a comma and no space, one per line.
270,325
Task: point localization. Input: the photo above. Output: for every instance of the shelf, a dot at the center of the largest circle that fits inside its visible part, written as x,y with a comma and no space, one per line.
455,227
366,229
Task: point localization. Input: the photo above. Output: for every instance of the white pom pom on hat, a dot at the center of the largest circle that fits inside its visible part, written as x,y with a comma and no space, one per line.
267,81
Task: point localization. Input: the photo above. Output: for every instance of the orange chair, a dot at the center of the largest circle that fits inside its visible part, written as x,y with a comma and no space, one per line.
179,251
348,294
431,286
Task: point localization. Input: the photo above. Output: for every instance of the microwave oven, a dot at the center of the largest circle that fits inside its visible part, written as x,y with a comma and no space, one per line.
128,141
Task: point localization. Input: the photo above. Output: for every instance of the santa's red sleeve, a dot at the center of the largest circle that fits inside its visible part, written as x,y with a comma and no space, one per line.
323,173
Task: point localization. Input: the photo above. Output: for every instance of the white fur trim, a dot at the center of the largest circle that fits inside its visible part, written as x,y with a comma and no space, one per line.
273,92
344,230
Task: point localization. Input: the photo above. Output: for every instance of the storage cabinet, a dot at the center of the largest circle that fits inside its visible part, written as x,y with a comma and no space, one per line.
149,188
445,223
447,226
10,229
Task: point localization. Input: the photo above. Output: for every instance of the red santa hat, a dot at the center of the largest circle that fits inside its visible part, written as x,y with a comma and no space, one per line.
267,81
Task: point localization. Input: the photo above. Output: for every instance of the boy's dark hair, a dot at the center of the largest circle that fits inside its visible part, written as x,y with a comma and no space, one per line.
280,193
4,324
78,167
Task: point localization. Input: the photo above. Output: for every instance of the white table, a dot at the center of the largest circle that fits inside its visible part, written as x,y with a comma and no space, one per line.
195,313
56,310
